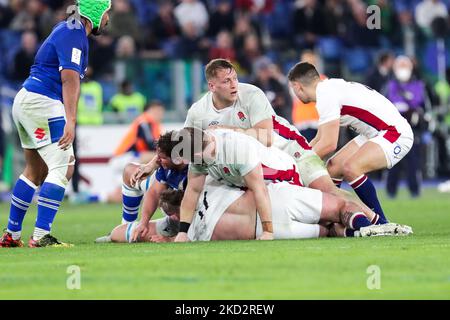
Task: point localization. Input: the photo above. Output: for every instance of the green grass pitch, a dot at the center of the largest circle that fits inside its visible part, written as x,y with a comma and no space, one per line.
415,267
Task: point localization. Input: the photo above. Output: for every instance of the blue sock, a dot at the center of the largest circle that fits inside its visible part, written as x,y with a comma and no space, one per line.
21,198
365,190
49,200
359,220
131,200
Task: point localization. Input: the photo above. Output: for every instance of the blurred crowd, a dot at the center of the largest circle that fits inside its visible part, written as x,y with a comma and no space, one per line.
263,38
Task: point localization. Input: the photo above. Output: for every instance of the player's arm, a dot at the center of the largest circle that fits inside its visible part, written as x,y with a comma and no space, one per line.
328,138
71,91
151,201
196,182
144,170
255,182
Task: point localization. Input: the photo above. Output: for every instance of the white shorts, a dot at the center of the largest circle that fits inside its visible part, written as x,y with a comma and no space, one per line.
393,151
39,120
295,211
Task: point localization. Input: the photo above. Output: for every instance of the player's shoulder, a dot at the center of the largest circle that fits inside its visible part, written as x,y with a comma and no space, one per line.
201,104
248,89
66,32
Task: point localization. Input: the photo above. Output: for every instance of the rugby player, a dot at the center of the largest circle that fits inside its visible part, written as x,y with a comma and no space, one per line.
44,112
384,136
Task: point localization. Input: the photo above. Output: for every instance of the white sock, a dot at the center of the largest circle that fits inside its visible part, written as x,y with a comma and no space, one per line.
15,234
39,233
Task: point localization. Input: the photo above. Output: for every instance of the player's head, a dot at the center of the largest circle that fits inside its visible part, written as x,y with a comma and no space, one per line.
303,78
170,201
96,12
222,80
164,148
188,144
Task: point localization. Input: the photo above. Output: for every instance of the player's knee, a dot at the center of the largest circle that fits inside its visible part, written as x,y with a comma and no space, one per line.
60,164
350,170
128,171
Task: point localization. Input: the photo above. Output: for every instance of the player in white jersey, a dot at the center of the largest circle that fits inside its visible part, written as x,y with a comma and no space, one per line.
234,159
385,137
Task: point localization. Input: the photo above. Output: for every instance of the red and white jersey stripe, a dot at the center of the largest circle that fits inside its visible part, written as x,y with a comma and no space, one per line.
360,108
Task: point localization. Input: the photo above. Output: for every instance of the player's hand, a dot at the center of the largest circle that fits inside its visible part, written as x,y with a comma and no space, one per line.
266,236
69,134
159,238
140,232
143,171
181,237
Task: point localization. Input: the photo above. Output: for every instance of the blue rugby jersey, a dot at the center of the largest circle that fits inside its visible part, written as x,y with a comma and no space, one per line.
174,179
66,47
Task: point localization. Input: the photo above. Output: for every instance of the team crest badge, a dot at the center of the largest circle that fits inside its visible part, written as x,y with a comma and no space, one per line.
297,155
241,116
226,170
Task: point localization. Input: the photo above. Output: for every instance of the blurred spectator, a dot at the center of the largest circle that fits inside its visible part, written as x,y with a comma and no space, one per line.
255,6
249,53
304,115
123,21
335,22
24,58
277,93
223,48
102,60
90,104
125,48
30,16
381,73
191,45
127,102
221,19
192,15
408,94
6,15
164,31
308,23
390,33
427,10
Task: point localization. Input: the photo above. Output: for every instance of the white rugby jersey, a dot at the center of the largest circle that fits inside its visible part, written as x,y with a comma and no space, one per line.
251,107
237,154
360,108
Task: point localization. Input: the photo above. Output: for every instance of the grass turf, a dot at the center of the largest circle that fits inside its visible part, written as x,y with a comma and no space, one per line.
415,267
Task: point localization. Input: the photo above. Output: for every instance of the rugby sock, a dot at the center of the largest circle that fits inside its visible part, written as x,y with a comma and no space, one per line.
349,233
358,220
49,200
366,191
21,198
337,182
131,200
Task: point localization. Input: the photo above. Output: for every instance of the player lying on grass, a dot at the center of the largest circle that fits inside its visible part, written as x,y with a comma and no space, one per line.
385,137
245,108
139,183
228,213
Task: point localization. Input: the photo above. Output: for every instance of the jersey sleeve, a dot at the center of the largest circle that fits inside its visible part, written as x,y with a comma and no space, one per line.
71,50
327,104
247,158
192,118
259,107
197,169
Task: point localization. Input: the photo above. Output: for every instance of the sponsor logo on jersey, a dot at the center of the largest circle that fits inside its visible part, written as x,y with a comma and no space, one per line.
39,133
241,116
213,123
397,150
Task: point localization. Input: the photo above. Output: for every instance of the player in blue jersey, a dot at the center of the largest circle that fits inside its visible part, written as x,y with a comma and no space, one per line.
44,112
139,180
